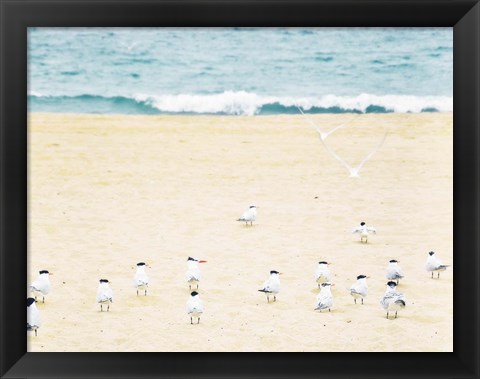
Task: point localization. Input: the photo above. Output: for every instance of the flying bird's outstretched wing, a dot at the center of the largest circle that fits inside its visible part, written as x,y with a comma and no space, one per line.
354,171
323,135
372,153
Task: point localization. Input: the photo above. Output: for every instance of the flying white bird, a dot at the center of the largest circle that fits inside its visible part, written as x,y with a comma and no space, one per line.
322,273
33,316
193,272
434,264
392,300
129,47
364,231
394,272
354,171
104,294
272,285
41,286
359,289
325,297
250,215
195,307
323,135
140,280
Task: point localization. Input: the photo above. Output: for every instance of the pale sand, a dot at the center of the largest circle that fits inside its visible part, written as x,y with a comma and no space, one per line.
109,191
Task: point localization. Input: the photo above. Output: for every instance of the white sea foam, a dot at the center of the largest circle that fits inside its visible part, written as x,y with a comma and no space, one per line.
246,103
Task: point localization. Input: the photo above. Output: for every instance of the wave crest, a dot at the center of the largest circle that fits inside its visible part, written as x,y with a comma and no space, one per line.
239,103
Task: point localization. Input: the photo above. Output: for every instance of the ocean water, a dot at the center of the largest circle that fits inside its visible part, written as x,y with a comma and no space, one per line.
240,71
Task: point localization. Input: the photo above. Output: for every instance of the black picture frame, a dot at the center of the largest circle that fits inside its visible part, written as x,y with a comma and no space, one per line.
17,15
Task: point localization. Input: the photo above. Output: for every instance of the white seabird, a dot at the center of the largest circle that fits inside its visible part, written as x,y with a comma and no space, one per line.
140,280
394,272
104,294
434,264
355,171
272,285
41,286
323,135
359,289
325,297
364,231
33,316
392,300
193,271
322,273
195,307
250,215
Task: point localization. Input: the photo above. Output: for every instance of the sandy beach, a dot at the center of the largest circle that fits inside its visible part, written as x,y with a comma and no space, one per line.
106,192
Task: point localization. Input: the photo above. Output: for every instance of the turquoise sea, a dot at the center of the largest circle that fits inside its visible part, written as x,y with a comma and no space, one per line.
240,71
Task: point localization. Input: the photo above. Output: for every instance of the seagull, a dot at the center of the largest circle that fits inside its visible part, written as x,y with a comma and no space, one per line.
364,231
129,47
272,285
359,289
354,171
41,286
394,272
322,273
392,300
104,294
434,264
193,272
323,135
33,316
250,215
140,280
195,307
325,298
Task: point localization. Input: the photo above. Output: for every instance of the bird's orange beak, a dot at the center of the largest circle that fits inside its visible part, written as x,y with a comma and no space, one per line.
202,261
50,273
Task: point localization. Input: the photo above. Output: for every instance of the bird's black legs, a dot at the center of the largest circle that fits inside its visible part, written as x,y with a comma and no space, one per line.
198,320
432,274
191,320
438,275
268,299
362,300
43,301
108,307
387,314
145,292
101,308
274,298
396,314
36,297
355,300
35,332
137,292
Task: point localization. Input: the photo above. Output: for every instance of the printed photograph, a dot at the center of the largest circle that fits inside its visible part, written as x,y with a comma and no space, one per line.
240,190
